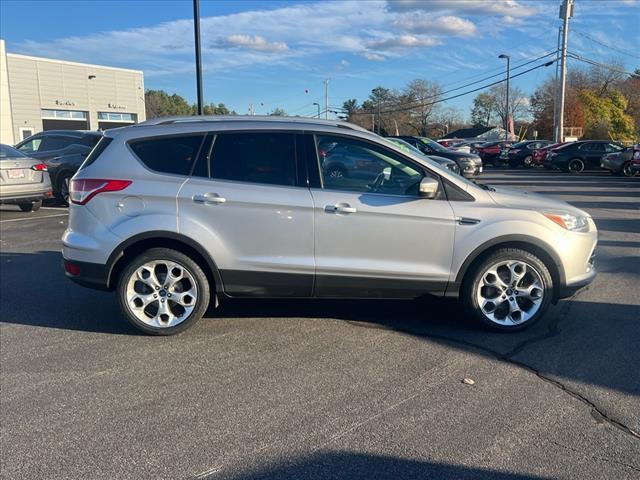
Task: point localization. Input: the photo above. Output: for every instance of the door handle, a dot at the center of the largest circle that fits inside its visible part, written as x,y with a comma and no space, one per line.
340,208
209,199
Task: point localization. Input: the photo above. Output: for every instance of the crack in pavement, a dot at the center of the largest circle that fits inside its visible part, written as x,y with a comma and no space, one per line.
598,413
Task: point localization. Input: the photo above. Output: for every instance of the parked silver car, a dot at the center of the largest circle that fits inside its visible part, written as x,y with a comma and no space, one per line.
175,211
23,180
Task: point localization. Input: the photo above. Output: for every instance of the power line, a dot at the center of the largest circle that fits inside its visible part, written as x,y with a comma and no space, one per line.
421,101
409,107
613,68
610,47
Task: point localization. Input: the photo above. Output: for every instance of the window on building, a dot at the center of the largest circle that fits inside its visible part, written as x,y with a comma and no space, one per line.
117,117
174,154
255,157
64,114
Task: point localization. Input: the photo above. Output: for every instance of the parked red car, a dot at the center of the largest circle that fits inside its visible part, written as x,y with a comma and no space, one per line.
539,154
489,151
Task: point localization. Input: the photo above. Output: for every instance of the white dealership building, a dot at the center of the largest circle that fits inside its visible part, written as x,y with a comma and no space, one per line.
39,94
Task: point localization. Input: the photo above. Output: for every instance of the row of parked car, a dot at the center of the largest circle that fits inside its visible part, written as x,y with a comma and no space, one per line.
571,157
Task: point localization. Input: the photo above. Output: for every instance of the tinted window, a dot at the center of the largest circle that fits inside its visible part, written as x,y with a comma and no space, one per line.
357,166
174,154
89,140
32,145
55,143
9,152
255,157
97,151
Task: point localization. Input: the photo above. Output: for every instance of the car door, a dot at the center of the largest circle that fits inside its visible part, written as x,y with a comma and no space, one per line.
374,235
252,210
594,155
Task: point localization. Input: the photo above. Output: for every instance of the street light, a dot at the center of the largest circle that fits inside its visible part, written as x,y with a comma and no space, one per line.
316,103
506,124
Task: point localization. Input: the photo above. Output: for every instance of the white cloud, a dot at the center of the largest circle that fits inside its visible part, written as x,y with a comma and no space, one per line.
475,7
402,42
342,64
255,42
376,57
444,25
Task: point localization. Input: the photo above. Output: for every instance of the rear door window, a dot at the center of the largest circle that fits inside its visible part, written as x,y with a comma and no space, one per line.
255,157
174,154
54,142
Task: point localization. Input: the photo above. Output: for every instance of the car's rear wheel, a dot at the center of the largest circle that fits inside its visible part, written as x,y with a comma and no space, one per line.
163,292
528,161
63,187
30,206
509,290
575,166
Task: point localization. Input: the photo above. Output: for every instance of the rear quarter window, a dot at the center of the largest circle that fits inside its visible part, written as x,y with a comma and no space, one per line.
103,143
175,154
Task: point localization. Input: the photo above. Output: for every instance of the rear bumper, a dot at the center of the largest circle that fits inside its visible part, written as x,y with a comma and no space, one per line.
25,196
91,275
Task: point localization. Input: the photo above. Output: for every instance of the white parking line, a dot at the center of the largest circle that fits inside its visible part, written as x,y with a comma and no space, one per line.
34,218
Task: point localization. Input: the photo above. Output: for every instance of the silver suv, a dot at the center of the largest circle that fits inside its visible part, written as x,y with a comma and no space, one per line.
174,212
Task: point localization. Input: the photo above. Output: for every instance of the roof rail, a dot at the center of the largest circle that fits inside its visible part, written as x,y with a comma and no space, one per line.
247,118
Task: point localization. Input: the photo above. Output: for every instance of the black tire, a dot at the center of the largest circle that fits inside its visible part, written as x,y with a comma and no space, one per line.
30,206
200,278
527,161
626,170
471,284
575,166
62,192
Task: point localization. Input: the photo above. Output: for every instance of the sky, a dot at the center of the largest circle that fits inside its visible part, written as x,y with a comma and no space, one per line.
277,54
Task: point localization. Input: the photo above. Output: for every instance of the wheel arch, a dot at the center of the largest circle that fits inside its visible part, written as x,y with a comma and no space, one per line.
530,244
137,244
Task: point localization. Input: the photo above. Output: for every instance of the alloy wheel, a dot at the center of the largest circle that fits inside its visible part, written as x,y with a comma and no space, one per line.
576,166
161,293
510,292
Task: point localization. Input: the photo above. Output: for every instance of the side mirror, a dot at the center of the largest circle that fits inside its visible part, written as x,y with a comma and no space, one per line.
429,187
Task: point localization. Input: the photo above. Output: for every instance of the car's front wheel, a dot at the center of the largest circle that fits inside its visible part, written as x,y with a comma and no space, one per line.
509,290
528,161
163,292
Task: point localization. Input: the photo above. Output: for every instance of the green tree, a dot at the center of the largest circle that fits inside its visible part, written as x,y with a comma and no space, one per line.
213,109
278,112
605,116
484,110
350,107
159,103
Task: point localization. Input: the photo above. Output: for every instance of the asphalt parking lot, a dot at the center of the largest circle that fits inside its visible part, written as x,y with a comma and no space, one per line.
323,389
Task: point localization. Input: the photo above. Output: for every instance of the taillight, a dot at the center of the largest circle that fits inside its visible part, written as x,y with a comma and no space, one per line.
40,167
82,190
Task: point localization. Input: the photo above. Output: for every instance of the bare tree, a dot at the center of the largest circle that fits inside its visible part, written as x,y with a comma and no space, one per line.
421,95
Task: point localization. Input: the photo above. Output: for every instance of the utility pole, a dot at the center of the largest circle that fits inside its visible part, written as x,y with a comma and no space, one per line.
251,111
566,12
379,119
556,91
196,30
506,117
326,99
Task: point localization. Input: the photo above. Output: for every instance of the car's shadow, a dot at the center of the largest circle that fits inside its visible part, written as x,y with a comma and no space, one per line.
593,342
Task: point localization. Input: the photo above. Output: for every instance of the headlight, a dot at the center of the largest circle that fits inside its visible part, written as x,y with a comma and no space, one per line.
568,221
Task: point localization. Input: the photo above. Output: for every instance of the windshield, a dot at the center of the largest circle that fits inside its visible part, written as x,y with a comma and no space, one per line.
434,145
9,152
